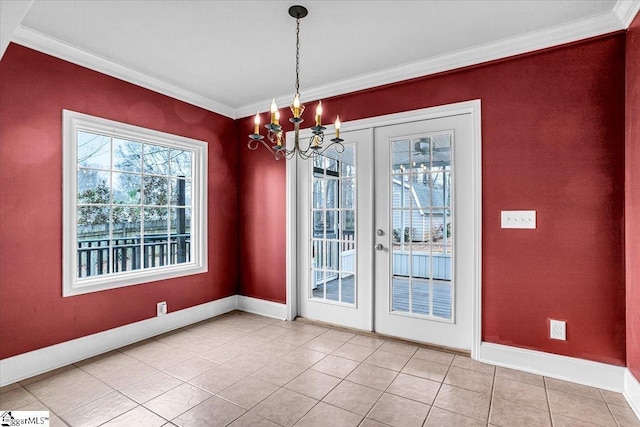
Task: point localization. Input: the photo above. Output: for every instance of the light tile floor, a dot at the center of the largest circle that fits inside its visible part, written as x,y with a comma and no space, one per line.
242,369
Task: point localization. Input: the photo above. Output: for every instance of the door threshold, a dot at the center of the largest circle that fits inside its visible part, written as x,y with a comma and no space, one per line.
384,336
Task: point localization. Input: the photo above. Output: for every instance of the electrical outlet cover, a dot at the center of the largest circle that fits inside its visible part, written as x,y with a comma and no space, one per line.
558,330
161,308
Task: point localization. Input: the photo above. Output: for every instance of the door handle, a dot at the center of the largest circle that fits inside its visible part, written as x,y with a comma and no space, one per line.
379,247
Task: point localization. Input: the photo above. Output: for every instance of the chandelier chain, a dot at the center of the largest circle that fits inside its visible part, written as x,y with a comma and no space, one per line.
297,55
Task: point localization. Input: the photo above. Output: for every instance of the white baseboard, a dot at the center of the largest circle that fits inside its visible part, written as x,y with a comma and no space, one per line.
36,362
262,307
632,392
594,374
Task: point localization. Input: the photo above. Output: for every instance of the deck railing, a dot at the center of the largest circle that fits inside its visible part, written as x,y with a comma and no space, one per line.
159,250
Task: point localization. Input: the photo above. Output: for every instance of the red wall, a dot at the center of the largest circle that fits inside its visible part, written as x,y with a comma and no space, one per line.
34,88
632,196
553,132
262,223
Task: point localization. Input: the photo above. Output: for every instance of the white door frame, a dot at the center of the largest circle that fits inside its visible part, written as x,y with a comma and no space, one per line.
466,107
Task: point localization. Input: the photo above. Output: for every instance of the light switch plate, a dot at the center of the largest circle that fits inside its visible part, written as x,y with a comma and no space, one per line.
518,219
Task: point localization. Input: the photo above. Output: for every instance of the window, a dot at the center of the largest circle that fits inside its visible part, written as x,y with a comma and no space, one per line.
135,205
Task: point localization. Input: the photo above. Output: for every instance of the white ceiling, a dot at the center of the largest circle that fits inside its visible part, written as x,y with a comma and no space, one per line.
232,57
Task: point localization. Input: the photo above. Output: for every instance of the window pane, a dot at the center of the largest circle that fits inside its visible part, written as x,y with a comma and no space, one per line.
442,299
348,161
402,194
318,193
97,216
331,200
181,192
331,224
401,155
127,188
333,285
348,225
155,237
420,303
318,224
400,294
93,240
441,153
402,230
94,150
155,220
180,229
441,263
440,188
318,162
348,193
317,254
126,239
317,283
156,190
127,155
156,159
437,226
93,186
180,163
332,165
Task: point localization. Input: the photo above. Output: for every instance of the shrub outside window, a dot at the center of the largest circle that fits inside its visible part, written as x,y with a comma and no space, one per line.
134,205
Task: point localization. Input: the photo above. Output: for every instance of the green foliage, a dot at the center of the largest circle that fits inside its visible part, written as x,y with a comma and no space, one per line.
408,234
92,215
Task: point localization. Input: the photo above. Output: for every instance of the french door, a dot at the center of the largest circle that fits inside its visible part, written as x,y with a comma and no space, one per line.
386,232
335,205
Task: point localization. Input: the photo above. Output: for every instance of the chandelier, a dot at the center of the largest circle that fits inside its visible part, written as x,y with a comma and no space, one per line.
314,146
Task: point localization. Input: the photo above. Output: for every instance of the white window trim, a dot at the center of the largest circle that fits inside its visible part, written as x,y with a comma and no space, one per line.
71,284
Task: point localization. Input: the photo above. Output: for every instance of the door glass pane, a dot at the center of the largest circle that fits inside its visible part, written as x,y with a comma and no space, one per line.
441,152
421,213
333,215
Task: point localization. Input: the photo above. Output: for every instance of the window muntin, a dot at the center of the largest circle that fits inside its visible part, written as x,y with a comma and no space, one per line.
134,205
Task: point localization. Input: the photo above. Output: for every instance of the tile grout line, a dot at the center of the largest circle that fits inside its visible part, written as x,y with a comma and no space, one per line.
615,419
546,394
439,388
492,395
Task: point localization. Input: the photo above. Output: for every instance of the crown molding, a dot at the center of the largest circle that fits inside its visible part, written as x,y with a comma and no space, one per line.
553,36
617,19
626,10
51,46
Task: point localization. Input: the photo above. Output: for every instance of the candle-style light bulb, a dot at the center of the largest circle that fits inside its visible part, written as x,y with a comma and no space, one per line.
256,122
319,114
337,125
296,106
274,109
277,118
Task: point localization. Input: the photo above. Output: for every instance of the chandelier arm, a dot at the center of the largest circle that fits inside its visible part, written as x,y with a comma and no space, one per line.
255,143
338,147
